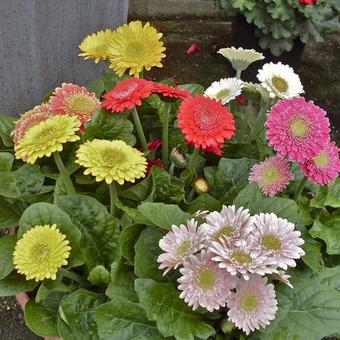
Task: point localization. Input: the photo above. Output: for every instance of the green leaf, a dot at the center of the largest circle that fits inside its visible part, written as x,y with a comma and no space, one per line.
204,202
318,201
194,89
313,256
333,196
138,192
46,213
14,284
163,215
128,238
77,311
10,213
122,319
7,245
49,287
6,161
147,251
6,127
97,86
100,230
173,316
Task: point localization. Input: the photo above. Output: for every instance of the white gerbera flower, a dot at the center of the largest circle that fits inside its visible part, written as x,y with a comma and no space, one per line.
225,89
204,283
253,305
275,238
240,58
280,80
230,224
179,244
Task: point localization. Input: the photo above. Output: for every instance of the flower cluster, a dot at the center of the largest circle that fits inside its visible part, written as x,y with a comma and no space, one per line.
225,259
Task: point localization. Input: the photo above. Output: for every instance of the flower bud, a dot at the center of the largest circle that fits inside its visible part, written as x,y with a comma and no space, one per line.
178,159
200,185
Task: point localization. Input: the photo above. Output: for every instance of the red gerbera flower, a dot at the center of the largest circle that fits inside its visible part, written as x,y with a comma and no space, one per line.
154,145
307,2
153,162
127,94
205,122
169,91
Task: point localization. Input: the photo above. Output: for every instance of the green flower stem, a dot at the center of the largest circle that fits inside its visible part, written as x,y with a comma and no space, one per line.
238,74
165,134
113,197
300,188
244,126
139,129
193,160
66,178
261,118
72,276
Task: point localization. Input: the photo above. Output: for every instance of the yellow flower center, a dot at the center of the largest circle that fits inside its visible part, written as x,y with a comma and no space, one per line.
226,231
223,94
112,157
322,160
206,278
135,49
183,249
41,252
299,127
280,84
271,175
249,302
271,242
241,257
81,103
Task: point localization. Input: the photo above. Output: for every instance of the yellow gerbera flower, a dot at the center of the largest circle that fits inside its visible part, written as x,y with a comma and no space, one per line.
41,252
136,47
111,161
47,137
95,45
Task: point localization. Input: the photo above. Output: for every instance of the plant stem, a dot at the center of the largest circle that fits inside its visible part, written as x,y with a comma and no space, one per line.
66,178
139,129
238,74
193,160
244,126
300,188
70,275
113,197
165,135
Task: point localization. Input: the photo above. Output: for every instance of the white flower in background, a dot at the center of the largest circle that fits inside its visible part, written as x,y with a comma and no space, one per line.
225,89
253,305
242,260
179,244
203,283
229,224
280,80
275,238
240,58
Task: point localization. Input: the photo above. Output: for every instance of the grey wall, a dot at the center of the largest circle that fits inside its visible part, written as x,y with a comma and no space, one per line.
39,46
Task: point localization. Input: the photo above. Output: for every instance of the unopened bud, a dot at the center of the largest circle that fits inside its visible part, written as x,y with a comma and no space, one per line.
200,185
227,326
178,159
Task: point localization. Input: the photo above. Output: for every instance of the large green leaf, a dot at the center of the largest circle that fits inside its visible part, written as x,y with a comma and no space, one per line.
333,196
6,127
123,319
14,284
138,192
100,230
7,245
204,202
173,316
10,212
6,161
313,256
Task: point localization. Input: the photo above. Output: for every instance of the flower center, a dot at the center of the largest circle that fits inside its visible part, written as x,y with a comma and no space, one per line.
205,119
271,242
183,249
241,257
271,175
300,127
206,278
122,93
79,103
249,302
41,252
280,84
321,160
227,231
135,49
112,157
223,94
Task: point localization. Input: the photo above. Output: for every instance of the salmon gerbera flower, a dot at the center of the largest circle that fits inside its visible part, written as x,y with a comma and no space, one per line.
170,91
205,122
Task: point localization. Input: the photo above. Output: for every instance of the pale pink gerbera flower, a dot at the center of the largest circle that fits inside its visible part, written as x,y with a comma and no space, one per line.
323,168
272,175
253,305
276,238
297,129
204,283
244,260
179,244
73,100
230,224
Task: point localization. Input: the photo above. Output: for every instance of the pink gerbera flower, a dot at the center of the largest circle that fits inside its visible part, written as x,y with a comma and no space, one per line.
297,129
73,100
253,305
323,168
204,284
127,94
272,175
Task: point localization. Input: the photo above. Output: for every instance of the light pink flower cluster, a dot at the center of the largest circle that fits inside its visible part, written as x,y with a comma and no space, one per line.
224,262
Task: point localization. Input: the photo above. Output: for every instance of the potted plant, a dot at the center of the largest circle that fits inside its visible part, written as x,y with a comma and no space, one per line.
147,210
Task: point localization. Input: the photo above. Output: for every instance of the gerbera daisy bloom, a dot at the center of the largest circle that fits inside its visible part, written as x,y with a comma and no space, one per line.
323,168
179,244
111,161
40,252
230,224
205,122
94,46
297,129
153,162
253,305
272,175
47,137
203,283
216,149
154,145
127,94
135,47
225,89
240,58
280,80
276,238
170,91
243,259
73,100
28,119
